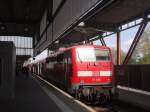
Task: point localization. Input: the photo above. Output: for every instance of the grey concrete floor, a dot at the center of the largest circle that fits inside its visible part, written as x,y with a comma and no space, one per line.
29,97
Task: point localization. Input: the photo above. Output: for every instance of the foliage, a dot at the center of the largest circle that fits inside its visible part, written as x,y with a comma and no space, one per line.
114,52
141,54
145,59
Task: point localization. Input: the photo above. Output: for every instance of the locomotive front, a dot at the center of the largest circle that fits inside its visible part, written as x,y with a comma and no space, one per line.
92,72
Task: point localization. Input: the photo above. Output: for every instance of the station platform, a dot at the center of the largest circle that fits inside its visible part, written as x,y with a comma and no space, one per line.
32,96
135,97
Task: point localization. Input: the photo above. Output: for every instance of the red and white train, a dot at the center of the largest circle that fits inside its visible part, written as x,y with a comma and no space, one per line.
83,70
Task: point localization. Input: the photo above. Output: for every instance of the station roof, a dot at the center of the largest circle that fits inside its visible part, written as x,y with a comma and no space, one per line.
119,12
80,34
20,17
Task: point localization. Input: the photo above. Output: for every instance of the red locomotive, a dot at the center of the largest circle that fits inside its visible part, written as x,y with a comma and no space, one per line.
84,70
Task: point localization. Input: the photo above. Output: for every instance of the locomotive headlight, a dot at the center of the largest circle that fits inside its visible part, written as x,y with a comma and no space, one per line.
82,82
84,73
105,73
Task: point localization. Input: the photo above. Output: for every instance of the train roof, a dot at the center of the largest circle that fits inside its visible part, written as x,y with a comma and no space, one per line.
88,45
61,50
77,46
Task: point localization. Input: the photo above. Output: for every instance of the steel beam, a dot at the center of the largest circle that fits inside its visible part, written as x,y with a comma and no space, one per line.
120,29
102,41
118,49
135,41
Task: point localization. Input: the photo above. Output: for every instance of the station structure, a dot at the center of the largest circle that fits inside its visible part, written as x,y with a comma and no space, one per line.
35,25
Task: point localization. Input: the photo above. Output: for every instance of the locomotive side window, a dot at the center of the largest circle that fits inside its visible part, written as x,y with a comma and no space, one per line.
43,68
39,68
51,59
60,58
69,60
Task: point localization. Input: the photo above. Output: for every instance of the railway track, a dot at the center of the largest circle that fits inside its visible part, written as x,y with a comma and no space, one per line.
112,106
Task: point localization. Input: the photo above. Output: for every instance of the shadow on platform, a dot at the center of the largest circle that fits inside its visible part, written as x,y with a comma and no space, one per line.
29,97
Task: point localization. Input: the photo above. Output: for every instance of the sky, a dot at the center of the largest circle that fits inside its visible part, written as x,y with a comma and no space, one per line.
126,36
126,39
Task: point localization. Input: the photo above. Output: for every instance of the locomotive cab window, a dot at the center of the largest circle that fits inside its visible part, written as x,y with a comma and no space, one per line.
51,59
92,54
60,58
102,55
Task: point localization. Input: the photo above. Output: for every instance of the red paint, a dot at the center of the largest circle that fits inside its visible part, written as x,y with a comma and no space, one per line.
65,72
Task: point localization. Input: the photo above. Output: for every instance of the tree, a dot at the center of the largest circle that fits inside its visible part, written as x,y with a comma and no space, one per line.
145,59
141,54
114,52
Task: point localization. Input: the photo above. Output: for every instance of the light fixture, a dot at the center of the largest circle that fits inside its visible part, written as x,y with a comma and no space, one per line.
26,29
81,24
3,27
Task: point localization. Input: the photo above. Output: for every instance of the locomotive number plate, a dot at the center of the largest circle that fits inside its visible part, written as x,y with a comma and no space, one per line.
96,79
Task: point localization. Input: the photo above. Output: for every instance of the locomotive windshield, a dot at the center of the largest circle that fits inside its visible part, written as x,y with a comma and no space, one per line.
92,54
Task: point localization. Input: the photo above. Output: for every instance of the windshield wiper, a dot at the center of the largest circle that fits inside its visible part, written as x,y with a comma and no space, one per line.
79,57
